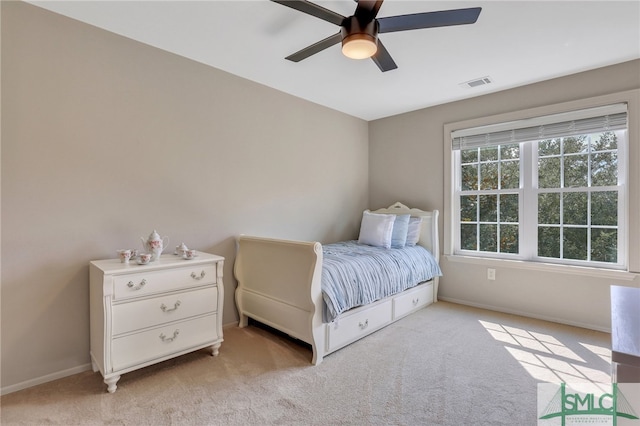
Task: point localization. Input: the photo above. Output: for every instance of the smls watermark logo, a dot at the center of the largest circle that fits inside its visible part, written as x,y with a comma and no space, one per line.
602,404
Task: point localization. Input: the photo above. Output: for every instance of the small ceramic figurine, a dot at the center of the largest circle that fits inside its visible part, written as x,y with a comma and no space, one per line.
143,258
125,255
154,245
189,254
181,249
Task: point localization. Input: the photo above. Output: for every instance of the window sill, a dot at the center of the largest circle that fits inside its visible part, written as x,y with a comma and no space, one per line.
545,267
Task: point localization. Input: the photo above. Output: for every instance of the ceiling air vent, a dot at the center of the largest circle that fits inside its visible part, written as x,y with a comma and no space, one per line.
477,82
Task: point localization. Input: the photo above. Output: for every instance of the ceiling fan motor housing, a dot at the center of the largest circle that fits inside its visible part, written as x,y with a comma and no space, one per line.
355,31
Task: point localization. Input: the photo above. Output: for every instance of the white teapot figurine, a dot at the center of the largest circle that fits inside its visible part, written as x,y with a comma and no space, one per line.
181,249
154,244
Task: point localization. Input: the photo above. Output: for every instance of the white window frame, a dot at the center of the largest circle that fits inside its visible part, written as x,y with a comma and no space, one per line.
632,178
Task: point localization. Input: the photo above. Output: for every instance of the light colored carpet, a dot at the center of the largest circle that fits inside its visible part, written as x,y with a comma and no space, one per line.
444,365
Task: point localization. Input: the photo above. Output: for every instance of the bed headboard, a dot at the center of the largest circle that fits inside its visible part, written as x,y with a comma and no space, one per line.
429,232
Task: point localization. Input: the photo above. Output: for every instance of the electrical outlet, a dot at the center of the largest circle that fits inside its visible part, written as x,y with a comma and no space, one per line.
491,274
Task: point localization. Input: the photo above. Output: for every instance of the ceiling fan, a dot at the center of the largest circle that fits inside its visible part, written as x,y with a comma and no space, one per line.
359,32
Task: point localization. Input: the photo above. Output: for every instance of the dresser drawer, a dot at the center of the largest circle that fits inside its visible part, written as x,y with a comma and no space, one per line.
138,348
158,281
353,327
412,300
137,314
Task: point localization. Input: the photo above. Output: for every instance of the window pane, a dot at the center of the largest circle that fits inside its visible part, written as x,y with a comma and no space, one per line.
574,145
488,208
489,153
549,209
604,245
510,174
549,147
509,208
549,242
574,243
468,237
470,177
489,176
469,155
575,171
488,238
510,152
604,169
549,172
604,208
468,208
575,208
605,141
509,239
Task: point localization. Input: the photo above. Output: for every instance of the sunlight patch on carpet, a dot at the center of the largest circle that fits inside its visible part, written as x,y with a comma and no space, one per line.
603,353
546,358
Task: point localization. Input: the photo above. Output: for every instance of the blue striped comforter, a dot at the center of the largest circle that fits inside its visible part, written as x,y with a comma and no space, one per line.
355,274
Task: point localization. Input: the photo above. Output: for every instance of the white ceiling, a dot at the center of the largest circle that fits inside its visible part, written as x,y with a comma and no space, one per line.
513,42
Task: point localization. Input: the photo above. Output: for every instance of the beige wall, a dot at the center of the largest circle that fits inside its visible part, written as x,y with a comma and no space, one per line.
105,139
406,162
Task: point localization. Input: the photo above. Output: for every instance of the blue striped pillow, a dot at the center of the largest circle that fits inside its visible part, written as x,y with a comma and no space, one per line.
400,229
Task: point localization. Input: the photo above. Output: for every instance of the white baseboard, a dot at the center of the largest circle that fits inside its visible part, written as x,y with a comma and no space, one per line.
525,314
44,379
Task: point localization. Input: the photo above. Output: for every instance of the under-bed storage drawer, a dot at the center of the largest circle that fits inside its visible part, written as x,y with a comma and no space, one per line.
353,327
412,300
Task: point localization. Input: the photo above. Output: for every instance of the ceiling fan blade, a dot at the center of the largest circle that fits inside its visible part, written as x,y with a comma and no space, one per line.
383,59
367,10
417,21
315,48
313,10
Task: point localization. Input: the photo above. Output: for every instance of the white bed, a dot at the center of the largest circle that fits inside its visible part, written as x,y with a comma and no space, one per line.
279,284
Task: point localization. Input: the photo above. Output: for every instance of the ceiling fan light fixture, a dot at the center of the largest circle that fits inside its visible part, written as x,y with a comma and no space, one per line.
359,40
359,46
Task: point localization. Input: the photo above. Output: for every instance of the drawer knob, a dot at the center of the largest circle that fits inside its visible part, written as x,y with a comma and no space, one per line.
175,306
169,339
416,301
132,286
364,325
198,277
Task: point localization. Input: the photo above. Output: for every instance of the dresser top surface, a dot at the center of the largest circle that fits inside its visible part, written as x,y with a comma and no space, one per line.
115,266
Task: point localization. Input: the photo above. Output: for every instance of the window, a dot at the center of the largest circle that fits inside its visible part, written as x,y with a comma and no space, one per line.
550,189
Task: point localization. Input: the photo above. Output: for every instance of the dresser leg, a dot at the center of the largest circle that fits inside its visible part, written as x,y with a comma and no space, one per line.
111,383
215,349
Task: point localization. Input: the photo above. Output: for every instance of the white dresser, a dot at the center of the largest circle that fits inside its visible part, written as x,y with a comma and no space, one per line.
144,314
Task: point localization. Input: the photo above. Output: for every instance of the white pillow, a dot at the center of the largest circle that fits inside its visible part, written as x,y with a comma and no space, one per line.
376,229
413,233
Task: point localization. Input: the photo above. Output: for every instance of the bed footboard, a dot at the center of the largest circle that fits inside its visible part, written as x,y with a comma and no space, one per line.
265,269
